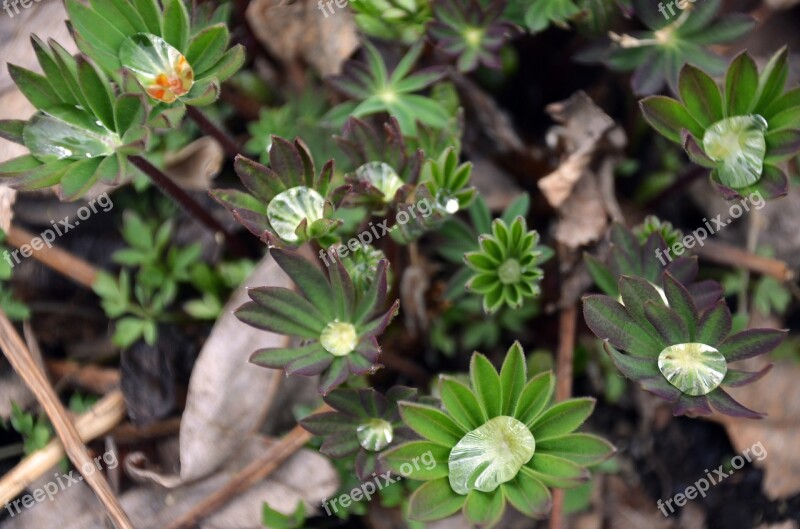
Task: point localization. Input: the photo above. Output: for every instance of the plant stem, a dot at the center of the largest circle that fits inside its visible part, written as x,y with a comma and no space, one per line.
229,145
188,204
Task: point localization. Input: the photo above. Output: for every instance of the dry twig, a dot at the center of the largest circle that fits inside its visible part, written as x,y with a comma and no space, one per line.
24,364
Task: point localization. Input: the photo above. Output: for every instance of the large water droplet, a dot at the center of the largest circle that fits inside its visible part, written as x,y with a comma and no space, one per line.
160,68
381,176
490,455
738,145
694,368
288,209
375,434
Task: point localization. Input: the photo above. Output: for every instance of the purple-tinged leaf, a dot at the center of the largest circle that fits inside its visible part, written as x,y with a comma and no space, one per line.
340,444
735,378
608,320
691,405
667,322
750,343
695,151
669,117
334,376
723,403
328,422
705,293
660,387
700,95
632,367
680,300
714,325
782,145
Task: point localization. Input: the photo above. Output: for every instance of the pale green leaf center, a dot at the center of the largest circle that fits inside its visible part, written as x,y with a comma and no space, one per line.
509,272
339,338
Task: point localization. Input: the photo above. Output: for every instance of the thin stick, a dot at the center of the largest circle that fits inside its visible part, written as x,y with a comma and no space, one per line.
729,255
229,145
248,476
98,420
189,205
89,377
63,262
23,363
567,326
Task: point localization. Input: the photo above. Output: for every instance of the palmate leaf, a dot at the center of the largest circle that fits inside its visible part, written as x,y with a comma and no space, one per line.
673,39
743,132
82,132
115,35
379,91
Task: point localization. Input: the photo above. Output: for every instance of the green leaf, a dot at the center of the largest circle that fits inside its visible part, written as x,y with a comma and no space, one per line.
771,81
207,47
667,322
228,64
11,130
102,36
408,454
121,14
431,424
535,397
725,29
750,343
308,278
34,87
96,89
556,472
434,500
608,320
129,111
528,495
680,300
127,331
82,175
601,274
69,73
513,376
580,448
669,117
52,71
461,403
741,84
175,20
278,320
202,93
484,508
486,383
700,95
562,418
150,13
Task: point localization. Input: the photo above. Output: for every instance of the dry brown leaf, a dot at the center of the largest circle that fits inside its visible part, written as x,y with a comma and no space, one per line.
299,31
588,137
195,165
228,396
306,476
777,394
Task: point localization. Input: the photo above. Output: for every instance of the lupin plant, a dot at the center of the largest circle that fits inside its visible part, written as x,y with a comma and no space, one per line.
338,324
675,350
375,89
506,268
741,133
474,35
288,202
649,260
82,132
364,423
171,60
496,441
657,54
